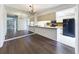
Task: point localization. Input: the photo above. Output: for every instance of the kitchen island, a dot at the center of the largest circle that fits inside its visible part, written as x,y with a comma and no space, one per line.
49,32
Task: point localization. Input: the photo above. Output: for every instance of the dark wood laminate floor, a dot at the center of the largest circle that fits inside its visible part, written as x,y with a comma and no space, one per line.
35,44
11,34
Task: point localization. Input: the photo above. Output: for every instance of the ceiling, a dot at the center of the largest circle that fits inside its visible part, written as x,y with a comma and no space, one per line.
20,9
37,7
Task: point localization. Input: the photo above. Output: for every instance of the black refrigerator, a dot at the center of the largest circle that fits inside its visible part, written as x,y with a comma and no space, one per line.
69,27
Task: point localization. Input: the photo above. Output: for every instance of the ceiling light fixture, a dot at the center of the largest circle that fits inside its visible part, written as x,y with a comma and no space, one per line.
31,9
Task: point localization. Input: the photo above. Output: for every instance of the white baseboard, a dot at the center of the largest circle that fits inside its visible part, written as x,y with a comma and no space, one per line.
18,37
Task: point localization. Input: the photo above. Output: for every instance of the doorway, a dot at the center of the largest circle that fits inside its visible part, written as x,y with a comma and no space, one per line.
11,25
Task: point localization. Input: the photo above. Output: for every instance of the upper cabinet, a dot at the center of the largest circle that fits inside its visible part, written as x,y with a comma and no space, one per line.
67,13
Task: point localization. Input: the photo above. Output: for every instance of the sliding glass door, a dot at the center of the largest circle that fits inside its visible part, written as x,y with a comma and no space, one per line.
11,23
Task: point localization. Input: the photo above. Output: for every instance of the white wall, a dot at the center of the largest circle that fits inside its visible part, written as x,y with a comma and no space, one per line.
2,24
60,15
77,29
22,23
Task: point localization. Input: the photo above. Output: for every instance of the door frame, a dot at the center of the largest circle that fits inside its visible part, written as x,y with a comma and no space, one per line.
16,19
